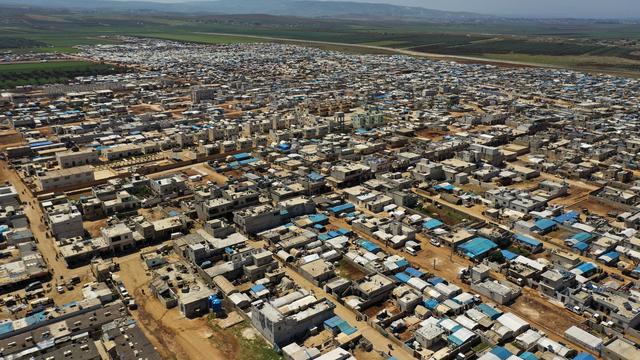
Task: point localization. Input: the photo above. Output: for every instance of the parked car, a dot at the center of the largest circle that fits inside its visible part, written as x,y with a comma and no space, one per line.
411,251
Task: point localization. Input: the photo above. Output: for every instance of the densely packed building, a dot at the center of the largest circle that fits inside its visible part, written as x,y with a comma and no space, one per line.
424,209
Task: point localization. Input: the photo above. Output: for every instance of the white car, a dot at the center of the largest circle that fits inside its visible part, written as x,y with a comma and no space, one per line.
435,242
60,289
411,251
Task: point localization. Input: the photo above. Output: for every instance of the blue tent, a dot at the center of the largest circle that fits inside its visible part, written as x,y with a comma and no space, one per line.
528,356
533,243
241,156
414,272
402,277
585,269
478,247
508,255
431,304
501,353
545,225
584,356
490,311
319,218
368,245
314,176
581,246
338,209
610,257
569,217
447,187
582,236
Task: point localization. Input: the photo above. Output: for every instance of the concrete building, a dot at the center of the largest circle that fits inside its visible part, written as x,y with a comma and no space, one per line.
66,178
287,318
69,159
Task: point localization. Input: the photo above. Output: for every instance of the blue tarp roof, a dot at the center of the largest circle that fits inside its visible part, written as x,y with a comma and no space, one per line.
431,304
586,267
508,255
318,218
6,327
447,187
368,245
346,328
570,216
314,176
402,277
527,240
454,340
342,208
581,246
40,143
241,156
432,224
489,311
478,246
333,322
414,272
545,224
338,322
501,352
35,318
402,263
609,257
582,236
584,356
435,280
528,356
247,161
257,288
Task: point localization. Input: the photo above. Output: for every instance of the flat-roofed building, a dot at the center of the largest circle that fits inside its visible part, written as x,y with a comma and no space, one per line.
66,178
69,159
287,318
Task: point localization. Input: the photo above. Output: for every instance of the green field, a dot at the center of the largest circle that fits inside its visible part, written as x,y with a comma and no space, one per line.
571,44
12,75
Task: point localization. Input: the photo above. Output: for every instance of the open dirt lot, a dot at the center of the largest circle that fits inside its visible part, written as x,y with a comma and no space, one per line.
596,207
10,138
541,310
430,134
173,335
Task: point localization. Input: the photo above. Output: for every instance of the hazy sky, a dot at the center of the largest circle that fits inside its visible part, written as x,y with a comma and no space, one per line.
534,8
629,9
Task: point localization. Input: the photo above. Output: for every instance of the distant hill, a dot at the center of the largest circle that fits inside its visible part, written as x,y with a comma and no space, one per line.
302,8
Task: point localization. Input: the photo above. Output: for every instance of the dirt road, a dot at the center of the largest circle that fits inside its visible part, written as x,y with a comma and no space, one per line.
46,245
380,343
549,242
531,306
